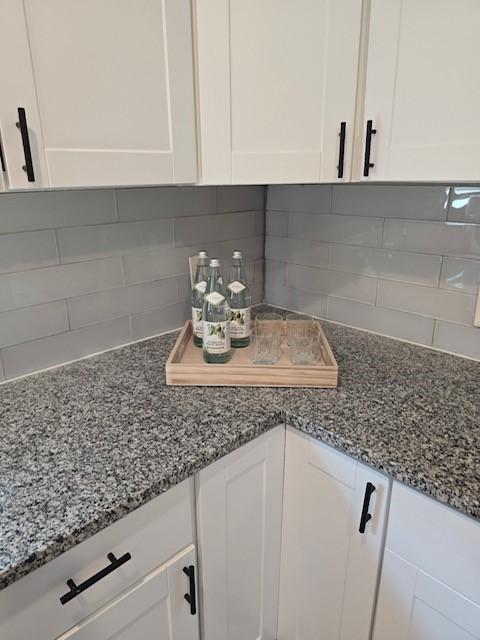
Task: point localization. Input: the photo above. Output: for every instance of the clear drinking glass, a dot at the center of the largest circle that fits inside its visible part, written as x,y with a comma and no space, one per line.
304,342
267,338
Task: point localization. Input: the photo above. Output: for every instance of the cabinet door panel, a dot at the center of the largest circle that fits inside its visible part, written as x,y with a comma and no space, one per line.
239,511
155,609
114,83
276,78
421,90
17,89
414,606
329,569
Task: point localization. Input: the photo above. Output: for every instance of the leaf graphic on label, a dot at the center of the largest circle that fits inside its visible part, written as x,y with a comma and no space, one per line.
215,298
236,286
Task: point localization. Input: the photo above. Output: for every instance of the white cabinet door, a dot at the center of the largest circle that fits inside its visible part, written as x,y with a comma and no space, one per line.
422,89
155,609
414,606
329,568
239,515
276,79
107,88
430,587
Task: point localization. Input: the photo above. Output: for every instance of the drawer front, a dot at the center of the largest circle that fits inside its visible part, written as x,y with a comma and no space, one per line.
437,539
151,535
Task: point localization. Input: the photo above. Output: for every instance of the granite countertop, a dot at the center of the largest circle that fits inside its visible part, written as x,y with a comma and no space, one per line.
85,444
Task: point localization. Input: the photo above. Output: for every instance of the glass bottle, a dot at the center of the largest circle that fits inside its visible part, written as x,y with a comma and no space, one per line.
240,301
216,318
198,291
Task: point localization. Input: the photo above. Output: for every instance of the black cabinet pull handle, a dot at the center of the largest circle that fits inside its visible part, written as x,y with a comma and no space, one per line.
365,517
367,165
75,589
191,596
341,149
22,125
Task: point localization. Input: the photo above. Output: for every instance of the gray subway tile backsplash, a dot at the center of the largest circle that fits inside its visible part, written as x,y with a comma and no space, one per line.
165,202
123,301
391,201
30,323
84,271
403,260
459,274
99,241
54,209
385,321
438,238
332,228
63,347
28,250
26,288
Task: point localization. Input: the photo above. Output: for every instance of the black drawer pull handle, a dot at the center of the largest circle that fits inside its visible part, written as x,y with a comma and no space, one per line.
22,125
367,165
75,589
191,597
365,517
341,149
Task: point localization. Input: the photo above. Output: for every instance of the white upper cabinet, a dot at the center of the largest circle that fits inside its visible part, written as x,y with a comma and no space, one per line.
334,518
276,80
107,89
422,90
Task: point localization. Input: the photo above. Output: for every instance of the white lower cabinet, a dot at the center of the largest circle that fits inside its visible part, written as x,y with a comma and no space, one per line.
116,584
333,529
155,609
430,586
239,520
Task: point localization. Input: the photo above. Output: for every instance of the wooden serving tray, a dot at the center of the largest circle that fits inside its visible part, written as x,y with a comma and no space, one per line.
185,366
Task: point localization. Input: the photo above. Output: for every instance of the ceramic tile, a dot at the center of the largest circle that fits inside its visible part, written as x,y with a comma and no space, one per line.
71,345
165,202
465,204
239,198
27,288
100,241
29,250
53,209
460,275
427,301
457,339
343,229
336,283
297,251
396,324
393,265
391,201
159,320
276,223
440,238
122,301
22,325
222,226
306,198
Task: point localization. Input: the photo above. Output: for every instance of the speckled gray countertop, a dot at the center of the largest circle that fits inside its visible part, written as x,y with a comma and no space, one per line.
85,444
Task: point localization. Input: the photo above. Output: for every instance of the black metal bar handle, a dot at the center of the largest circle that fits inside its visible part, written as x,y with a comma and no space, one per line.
75,589
22,125
191,597
2,159
365,517
367,165
341,149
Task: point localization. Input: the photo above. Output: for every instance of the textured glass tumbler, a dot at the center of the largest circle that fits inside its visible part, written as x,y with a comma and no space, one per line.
267,338
304,341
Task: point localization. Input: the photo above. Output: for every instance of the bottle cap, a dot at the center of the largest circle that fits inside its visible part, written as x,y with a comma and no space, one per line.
237,254
214,262
202,254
